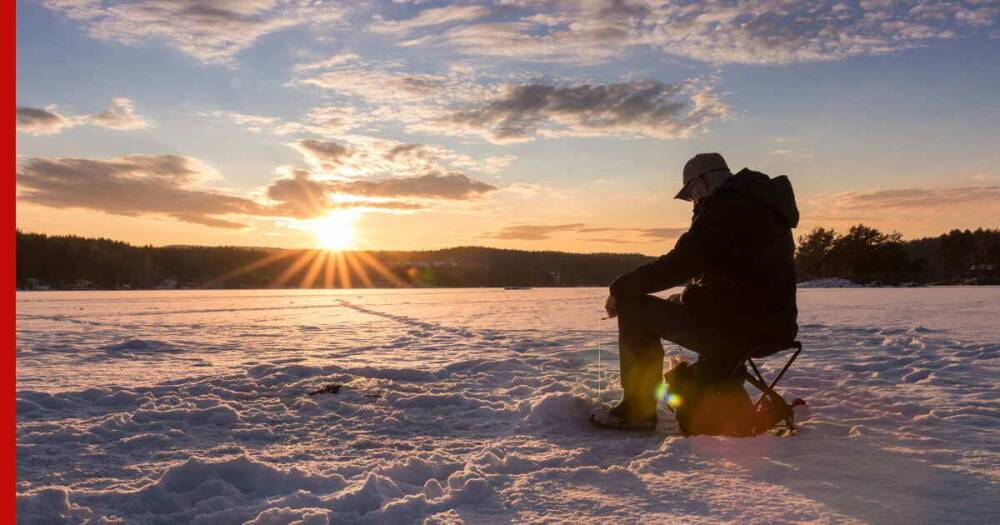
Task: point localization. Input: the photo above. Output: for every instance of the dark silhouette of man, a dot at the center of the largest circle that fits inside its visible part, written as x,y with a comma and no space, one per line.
738,257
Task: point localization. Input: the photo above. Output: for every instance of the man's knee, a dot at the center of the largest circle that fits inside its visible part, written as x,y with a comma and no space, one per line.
636,323
632,307
649,314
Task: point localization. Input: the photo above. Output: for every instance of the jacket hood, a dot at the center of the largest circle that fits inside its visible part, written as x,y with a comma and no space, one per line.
774,193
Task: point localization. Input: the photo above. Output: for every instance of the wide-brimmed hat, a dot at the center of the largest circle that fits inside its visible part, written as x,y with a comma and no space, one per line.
699,165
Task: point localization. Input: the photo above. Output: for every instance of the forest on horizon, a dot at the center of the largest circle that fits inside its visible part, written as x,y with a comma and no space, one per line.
863,254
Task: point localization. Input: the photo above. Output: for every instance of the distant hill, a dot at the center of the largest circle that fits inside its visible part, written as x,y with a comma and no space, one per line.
70,262
863,255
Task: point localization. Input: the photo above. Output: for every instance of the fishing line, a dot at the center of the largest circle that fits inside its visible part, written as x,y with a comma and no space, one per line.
605,340
600,375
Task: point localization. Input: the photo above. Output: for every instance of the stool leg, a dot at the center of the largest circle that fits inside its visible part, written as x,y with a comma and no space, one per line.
767,390
785,368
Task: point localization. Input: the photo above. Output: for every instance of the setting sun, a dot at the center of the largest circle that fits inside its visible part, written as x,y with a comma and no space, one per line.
335,231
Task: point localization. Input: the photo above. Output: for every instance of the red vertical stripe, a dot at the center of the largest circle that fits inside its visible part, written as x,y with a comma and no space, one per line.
9,224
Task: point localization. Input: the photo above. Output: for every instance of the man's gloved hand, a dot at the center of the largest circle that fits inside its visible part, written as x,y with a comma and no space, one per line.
611,306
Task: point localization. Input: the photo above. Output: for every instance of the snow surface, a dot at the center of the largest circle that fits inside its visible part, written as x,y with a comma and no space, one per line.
470,406
829,282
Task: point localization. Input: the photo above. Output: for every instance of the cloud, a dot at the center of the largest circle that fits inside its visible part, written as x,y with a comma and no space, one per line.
211,31
662,233
456,186
497,163
642,108
790,154
324,120
326,154
119,115
540,232
375,83
334,61
374,205
37,121
303,196
460,103
369,157
916,198
390,90
533,232
377,169
170,185
431,18
579,32
713,31
611,240
320,120
299,196
132,185
915,211
254,123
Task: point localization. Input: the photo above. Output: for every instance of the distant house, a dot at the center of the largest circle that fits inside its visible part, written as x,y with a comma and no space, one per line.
167,284
83,284
983,274
36,284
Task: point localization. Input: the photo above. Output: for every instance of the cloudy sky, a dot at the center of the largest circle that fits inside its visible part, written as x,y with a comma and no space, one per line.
537,124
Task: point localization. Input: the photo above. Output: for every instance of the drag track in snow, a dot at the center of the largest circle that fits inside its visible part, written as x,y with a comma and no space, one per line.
470,406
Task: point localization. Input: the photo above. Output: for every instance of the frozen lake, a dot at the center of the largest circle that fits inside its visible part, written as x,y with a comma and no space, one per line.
470,405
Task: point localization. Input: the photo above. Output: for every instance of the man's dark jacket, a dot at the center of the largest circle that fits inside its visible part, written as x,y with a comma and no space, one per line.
739,252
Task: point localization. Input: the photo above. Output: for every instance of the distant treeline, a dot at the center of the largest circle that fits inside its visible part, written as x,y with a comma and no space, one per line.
868,256
863,255
68,262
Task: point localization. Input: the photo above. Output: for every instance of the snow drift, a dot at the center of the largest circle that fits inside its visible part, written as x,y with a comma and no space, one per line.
471,405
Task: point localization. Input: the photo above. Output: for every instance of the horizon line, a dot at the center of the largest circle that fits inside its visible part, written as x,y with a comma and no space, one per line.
359,250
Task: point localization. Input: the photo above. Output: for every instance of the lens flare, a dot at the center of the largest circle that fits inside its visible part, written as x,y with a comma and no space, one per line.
661,390
673,400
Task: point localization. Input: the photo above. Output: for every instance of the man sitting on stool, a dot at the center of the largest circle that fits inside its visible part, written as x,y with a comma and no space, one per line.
738,255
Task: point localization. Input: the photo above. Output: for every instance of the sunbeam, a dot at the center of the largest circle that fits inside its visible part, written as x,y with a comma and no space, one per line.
343,271
328,272
312,273
295,268
256,265
358,268
330,269
373,263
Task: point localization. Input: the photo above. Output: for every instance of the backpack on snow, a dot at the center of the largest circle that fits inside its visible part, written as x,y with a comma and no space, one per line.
723,407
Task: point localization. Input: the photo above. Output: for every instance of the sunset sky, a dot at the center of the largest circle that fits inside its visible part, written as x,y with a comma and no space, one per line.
527,124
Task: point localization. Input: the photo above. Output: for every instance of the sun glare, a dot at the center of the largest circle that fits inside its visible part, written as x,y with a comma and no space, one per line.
335,231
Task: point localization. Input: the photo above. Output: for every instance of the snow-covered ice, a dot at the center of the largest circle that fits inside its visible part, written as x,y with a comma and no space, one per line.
470,406
829,282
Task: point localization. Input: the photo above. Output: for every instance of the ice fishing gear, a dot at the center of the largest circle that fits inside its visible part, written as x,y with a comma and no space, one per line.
332,388
770,401
366,388
704,404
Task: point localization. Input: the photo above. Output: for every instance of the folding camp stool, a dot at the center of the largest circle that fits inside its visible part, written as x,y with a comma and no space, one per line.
767,389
